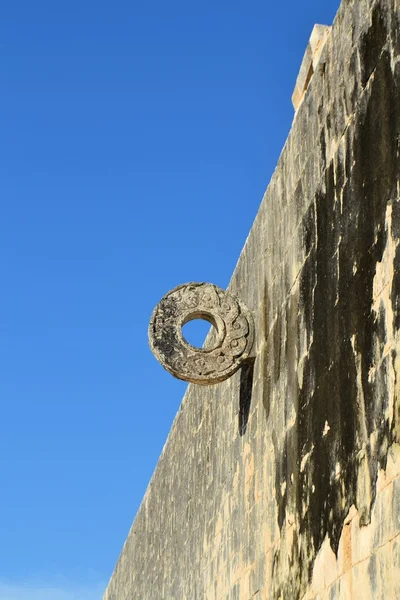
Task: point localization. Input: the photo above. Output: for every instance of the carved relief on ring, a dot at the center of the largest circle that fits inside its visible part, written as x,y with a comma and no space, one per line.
232,342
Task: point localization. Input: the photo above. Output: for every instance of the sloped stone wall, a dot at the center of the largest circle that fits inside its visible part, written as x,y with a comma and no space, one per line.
284,481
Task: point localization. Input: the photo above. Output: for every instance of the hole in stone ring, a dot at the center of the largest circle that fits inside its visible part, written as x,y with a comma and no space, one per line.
195,331
196,328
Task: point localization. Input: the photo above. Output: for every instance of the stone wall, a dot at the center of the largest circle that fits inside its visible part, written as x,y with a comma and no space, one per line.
284,480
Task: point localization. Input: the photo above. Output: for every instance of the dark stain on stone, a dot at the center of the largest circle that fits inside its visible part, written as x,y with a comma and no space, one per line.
322,145
396,218
266,353
277,333
373,572
349,153
354,91
339,176
372,44
328,122
168,343
308,224
298,199
280,480
395,32
395,295
307,285
337,307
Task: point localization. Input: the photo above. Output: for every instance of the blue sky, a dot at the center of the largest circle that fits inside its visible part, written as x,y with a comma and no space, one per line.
137,141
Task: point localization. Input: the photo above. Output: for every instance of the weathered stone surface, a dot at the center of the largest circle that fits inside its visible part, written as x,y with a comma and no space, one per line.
310,62
283,481
231,345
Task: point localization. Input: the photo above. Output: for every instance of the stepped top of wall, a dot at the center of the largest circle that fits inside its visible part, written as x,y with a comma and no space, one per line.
310,61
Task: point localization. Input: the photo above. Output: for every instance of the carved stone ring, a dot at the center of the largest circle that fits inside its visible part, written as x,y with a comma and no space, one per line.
224,352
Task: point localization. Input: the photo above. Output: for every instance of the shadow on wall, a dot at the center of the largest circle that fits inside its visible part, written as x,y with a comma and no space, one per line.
246,389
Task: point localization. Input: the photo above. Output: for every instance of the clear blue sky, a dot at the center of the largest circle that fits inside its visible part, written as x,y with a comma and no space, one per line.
137,140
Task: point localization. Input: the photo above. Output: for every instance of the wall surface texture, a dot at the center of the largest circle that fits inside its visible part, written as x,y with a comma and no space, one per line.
283,482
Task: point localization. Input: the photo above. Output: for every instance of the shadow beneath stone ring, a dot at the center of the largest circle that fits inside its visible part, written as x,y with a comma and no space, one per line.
246,387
